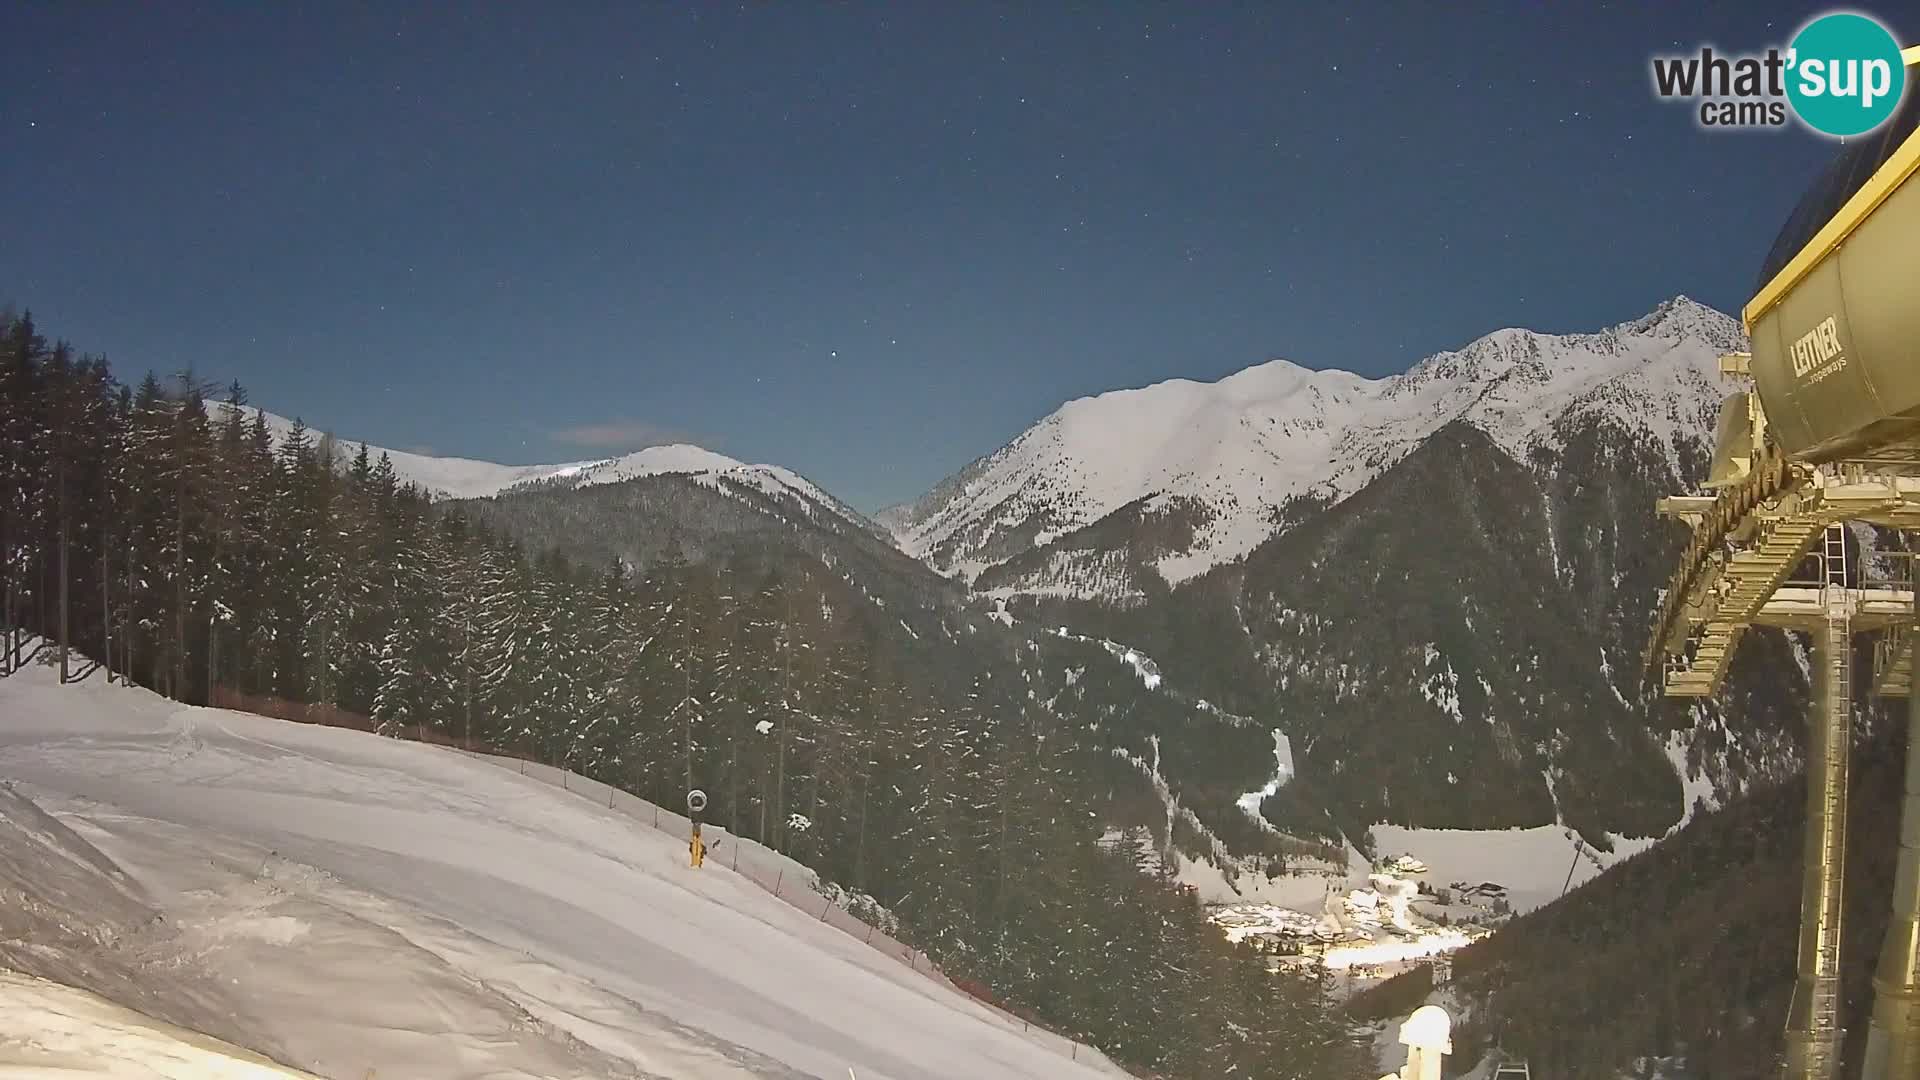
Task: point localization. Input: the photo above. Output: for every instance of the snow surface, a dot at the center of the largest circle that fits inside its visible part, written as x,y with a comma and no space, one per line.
1696,787
346,903
49,1030
1282,772
1142,664
1531,863
1245,445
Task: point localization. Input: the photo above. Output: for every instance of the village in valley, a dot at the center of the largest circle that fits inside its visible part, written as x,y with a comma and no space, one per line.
1395,921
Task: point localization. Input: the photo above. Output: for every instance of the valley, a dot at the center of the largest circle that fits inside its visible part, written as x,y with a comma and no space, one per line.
1318,624
1271,512
1274,509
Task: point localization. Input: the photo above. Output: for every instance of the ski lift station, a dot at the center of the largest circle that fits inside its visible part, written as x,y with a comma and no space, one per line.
1824,434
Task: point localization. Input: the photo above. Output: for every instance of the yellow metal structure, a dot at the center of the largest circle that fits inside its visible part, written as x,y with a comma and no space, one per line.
1813,1019
1893,1041
1885,181
1827,434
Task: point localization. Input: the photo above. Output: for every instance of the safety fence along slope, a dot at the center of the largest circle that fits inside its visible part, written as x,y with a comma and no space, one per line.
786,879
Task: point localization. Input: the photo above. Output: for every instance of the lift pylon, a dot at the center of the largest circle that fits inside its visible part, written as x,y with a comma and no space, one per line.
1827,435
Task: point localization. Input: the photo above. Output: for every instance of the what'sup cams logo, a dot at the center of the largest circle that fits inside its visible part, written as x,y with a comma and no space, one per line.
1841,75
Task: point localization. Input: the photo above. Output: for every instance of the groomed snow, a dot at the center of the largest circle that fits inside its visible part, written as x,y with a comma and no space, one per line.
49,1030
359,906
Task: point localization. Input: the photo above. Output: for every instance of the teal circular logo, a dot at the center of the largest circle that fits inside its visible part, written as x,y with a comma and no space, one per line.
1844,74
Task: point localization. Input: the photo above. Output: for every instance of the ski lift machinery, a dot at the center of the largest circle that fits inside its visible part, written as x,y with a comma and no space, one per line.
1827,434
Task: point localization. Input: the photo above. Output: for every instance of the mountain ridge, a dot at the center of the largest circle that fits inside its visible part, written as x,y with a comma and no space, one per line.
470,478
1242,448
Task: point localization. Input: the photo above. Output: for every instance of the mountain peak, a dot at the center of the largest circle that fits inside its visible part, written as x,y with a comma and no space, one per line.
666,458
1240,450
1684,317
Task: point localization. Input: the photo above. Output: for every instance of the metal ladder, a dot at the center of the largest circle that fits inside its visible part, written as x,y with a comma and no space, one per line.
1833,556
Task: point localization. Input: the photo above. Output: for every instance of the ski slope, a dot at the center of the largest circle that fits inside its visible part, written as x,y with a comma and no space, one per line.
51,1030
355,906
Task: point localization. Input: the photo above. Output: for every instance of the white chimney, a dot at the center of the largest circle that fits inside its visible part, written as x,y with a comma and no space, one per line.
1427,1035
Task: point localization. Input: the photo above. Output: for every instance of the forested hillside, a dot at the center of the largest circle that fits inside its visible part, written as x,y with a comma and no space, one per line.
1457,645
918,618
191,552
1690,945
644,522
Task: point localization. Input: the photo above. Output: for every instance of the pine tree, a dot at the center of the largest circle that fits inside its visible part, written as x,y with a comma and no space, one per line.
602,650
406,696
227,571
20,346
503,626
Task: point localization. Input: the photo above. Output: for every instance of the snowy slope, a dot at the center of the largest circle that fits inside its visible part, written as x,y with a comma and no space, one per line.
355,906
51,1030
464,478
714,470
448,477
1245,445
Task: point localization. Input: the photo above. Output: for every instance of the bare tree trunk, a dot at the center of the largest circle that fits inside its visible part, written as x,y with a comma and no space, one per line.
133,640
179,675
1000,892
786,726
7,570
860,832
127,645
820,765
213,615
733,777
468,676
65,638
61,526
466,661
106,607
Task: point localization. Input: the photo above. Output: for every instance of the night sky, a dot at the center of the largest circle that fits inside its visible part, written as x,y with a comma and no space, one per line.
869,242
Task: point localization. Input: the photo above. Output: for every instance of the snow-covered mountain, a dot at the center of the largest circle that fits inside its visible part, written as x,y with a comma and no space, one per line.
1226,458
465,478
1437,585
